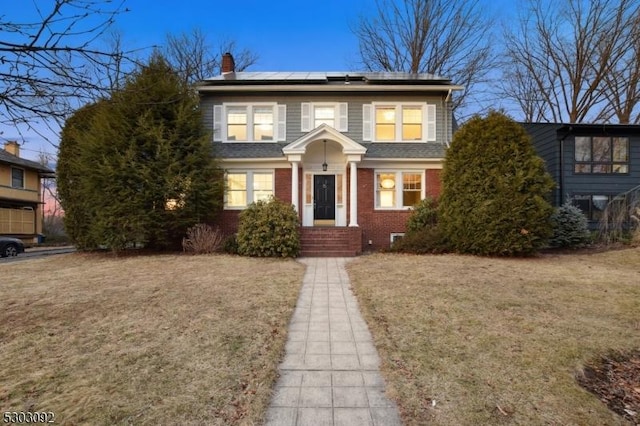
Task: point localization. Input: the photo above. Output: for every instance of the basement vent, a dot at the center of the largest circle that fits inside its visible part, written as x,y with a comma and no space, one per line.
395,236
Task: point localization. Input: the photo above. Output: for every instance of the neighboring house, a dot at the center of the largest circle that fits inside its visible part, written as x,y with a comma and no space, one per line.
590,163
353,152
20,194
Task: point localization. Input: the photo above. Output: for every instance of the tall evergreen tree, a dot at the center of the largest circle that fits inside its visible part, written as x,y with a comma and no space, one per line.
495,190
142,164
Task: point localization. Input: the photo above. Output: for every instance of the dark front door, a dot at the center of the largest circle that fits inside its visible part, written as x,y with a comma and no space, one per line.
324,188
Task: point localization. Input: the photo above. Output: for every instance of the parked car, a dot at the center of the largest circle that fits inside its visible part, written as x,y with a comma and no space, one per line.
10,247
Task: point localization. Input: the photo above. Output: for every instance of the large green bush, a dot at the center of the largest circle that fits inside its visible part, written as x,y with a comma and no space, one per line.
269,229
570,227
495,190
138,167
424,214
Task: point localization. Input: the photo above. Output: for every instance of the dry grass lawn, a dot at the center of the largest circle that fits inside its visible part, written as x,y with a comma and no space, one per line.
468,340
144,340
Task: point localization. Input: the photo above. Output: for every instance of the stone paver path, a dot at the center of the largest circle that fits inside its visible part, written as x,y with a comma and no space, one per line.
330,374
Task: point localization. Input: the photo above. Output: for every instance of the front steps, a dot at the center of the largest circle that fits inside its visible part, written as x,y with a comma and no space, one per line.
330,241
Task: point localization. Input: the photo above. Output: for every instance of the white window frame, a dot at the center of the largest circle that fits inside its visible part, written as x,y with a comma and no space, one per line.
220,125
340,115
394,235
428,121
249,174
399,187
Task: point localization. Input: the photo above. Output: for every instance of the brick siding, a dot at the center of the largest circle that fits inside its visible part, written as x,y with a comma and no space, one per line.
375,225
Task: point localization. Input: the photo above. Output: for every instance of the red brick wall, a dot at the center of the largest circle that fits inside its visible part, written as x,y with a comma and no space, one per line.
228,220
377,225
434,183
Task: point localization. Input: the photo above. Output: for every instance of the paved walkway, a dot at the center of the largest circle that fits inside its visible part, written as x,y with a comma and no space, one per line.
330,374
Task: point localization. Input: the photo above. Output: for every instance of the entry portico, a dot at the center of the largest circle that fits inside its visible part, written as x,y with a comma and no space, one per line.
325,155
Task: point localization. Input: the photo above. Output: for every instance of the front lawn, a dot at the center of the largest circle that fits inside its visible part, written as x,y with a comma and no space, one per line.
144,340
468,340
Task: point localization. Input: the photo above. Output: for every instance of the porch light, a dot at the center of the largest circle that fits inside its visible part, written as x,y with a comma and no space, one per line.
387,183
324,164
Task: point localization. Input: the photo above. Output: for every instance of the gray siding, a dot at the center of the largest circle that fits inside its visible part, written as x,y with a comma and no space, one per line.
545,141
293,102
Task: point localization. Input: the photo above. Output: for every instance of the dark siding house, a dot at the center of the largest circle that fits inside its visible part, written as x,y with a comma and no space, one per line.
590,163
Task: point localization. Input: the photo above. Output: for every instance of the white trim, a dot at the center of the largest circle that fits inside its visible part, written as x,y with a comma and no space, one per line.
218,122
349,146
305,116
429,126
399,189
428,113
367,127
249,182
308,115
437,88
277,120
395,234
281,119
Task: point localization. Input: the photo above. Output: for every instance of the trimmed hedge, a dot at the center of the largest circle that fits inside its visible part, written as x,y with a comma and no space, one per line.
495,190
269,229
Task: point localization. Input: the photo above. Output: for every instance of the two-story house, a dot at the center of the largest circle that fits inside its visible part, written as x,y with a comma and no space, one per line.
353,152
591,163
21,203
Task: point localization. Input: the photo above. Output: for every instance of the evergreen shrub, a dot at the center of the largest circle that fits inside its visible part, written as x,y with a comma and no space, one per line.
495,190
269,229
424,214
570,227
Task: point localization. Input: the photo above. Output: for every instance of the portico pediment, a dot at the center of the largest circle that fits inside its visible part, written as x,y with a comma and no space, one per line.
324,132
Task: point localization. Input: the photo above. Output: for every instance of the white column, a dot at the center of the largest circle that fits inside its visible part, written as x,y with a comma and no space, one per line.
353,199
294,184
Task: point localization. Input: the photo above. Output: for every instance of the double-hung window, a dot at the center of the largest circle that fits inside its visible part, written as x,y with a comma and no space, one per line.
249,122
410,122
246,187
332,114
17,178
398,189
600,154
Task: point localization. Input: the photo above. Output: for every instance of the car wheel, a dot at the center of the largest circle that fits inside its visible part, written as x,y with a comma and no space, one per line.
10,250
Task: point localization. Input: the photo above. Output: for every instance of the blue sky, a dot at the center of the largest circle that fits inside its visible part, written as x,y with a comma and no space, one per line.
286,35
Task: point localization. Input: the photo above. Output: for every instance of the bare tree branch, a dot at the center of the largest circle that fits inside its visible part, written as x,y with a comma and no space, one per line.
569,63
194,58
448,38
48,65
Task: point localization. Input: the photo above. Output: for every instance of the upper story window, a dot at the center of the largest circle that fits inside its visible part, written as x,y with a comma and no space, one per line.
246,187
398,190
409,122
601,154
249,122
17,178
332,114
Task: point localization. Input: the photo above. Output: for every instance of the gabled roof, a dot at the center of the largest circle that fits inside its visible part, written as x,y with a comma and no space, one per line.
7,158
326,81
324,131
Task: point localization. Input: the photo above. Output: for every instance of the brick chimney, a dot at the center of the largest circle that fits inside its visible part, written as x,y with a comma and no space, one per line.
12,147
228,64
